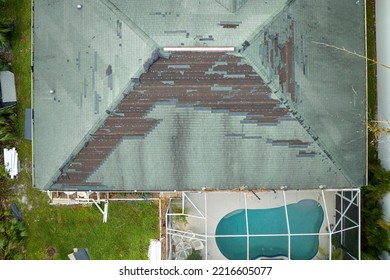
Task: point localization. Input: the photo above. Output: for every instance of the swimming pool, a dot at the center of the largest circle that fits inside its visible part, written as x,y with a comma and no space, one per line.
305,216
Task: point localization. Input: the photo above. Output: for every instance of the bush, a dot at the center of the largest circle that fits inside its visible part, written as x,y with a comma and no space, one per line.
6,28
375,231
7,127
12,233
195,255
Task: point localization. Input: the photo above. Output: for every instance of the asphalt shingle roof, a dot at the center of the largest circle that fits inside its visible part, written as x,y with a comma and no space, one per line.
282,110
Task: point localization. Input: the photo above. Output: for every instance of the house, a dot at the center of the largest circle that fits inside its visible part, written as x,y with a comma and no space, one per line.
283,112
7,89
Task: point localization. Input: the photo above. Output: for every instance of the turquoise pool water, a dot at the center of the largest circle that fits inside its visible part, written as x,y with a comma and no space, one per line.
305,216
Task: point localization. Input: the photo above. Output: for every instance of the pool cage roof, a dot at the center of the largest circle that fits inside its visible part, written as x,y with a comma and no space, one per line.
275,224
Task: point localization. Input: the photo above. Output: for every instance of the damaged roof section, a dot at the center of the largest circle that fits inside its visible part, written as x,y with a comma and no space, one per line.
198,120
323,87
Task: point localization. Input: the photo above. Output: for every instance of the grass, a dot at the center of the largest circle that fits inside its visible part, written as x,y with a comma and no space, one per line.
371,53
20,13
371,79
126,234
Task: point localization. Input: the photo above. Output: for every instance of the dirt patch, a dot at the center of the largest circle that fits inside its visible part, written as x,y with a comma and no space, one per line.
51,252
25,38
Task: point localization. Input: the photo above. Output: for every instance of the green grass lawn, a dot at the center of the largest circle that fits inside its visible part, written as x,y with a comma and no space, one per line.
126,234
20,13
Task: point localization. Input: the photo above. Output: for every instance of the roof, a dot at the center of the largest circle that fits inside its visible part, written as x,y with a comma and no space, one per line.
267,115
7,87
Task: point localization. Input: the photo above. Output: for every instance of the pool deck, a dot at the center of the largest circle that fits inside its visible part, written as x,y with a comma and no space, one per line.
215,206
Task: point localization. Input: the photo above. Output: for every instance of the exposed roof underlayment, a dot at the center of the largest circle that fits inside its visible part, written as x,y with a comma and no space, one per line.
200,120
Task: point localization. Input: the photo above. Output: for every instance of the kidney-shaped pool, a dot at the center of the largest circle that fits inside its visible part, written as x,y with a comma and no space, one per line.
305,217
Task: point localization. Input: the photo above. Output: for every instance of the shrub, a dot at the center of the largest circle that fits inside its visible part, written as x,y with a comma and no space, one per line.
195,255
375,231
12,233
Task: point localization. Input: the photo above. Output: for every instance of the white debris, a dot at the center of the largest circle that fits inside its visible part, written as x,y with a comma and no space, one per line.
154,252
11,162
